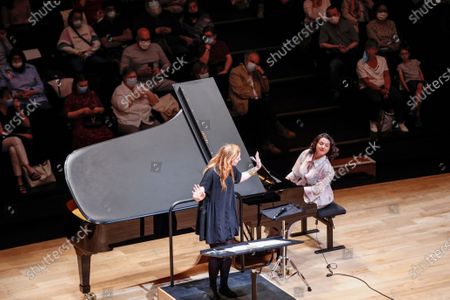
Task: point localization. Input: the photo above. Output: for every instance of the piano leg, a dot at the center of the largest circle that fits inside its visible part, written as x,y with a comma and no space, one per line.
84,271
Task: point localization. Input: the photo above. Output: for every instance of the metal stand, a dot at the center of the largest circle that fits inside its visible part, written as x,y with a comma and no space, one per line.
284,260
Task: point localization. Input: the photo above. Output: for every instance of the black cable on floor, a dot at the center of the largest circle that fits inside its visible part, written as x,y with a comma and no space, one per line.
334,266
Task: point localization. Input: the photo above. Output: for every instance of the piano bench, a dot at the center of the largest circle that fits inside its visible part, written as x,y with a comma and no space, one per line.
326,215
350,165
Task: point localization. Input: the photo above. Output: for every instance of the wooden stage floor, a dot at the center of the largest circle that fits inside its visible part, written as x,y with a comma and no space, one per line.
397,236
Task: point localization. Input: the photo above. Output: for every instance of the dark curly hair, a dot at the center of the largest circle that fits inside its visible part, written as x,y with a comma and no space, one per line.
334,150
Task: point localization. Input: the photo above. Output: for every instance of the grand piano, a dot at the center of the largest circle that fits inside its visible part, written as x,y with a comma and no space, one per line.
142,174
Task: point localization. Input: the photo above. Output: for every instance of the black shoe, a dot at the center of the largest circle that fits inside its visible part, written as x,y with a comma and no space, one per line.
227,292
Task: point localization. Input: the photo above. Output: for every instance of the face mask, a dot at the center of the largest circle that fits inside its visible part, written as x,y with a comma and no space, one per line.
77,23
9,102
209,40
144,45
111,14
334,20
17,65
82,89
251,67
204,75
154,8
365,58
382,16
132,81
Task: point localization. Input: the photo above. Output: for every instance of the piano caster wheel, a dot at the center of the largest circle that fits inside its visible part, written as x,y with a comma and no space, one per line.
90,296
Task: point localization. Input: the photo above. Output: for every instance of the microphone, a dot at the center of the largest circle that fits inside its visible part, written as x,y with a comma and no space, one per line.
279,213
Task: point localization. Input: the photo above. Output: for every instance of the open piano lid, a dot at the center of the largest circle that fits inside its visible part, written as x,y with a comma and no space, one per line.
143,173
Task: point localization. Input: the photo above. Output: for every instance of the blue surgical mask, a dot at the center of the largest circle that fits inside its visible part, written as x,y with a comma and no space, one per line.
365,58
132,81
82,89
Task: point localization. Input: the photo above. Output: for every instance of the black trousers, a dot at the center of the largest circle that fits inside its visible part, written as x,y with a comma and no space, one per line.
376,102
219,264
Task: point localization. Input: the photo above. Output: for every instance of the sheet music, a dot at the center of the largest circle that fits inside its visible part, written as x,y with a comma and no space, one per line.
268,243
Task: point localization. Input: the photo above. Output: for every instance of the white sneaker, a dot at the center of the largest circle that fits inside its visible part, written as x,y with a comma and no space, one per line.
403,127
373,127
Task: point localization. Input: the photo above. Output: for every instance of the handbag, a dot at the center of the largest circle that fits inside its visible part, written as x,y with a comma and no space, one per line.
167,106
45,171
385,121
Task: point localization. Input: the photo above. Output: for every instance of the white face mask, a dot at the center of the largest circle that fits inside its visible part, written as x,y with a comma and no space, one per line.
77,23
204,75
144,45
154,8
111,14
209,40
17,65
251,67
334,20
382,16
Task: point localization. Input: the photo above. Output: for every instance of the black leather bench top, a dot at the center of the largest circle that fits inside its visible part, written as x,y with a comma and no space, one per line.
331,210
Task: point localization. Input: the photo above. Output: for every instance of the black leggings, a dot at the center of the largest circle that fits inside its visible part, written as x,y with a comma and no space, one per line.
215,264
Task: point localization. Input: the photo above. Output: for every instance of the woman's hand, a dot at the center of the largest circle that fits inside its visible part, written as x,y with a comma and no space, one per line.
98,110
258,161
86,111
198,193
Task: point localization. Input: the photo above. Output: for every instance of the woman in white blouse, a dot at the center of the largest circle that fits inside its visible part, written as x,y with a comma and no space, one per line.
314,172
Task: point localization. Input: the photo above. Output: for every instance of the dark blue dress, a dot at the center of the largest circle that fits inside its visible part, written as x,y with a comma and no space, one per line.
217,219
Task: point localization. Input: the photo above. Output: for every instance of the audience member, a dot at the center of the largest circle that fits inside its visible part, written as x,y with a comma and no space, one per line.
85,111
81,43
132,104
384,31
375,85
194,21
357,13
113,32
149,61
411,80
23,80
92,9
315,9
18,12
5,47
249,86
164,27
340,41
216,54
11,135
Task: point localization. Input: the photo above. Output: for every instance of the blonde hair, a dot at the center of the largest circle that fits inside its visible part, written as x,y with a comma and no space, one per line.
223,162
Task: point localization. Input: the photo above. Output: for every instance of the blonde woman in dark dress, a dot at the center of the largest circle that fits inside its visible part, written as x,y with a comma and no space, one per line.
217,222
